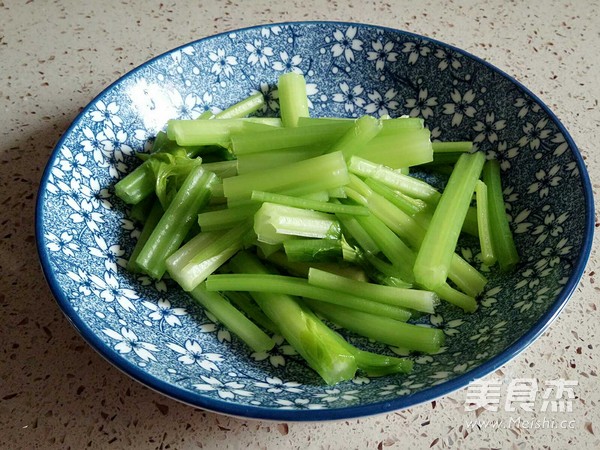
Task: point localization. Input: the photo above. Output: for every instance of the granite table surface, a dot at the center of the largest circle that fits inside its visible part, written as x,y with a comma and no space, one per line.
55,56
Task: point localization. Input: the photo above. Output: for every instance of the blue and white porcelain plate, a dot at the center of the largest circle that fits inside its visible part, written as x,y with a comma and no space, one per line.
152,331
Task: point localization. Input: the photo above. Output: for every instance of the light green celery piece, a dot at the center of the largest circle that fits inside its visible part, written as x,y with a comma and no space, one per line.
151,221
252,162
470,226
363,130
233,319
226,218
373,364
266,250
408,205
315,205
140,211
303,177
457,298
403,148
178,260
321,136
452,147
301,328
338,192
246,303
312,250
418,300
210,258
293,101
438,246
394,249
270,121
243,108
300,269
273,223
502,238
137,185
210,132
391,126
411,186
280,284
460,272
395,219
176,222
483,222
222,169
351,226
383,329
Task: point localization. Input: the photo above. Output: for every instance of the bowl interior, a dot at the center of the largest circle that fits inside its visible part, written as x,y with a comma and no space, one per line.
152,330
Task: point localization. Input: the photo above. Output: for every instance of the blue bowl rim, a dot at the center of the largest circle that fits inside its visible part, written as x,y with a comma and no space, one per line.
258,412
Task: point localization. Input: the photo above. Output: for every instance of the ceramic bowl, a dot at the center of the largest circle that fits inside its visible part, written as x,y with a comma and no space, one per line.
153,332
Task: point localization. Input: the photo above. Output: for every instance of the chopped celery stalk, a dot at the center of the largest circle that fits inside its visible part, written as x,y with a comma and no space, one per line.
452,147
139,212
457,298
485,237
270,121
222,169
245,302
373,364
151,221
413,187
299,178
354,140
252,162
293,101
318,196
205,115
391,126
280,284
418,300
309,121
502,238
301,269
209,258
241,109
161,140
137,185
395,219
394,249
442,160
408,205
403,148
178,260
233,319
320,136
273,223
266,250
351,226
301,328
176,222
385,272
382,329
170,171
470,226
465,276
297,202
225,218
209,132
437,249
337,193
303,250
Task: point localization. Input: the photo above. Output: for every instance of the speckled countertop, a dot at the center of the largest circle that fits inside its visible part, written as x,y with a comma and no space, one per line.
55,56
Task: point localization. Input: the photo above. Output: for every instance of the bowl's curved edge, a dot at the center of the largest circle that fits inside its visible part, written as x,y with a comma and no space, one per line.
255,412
